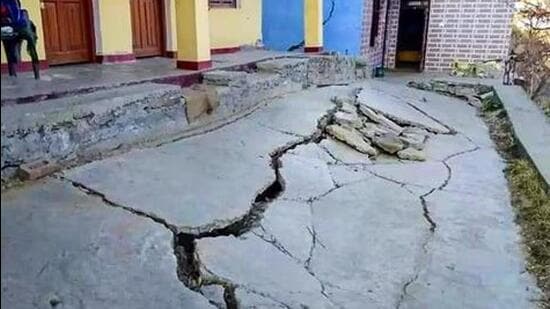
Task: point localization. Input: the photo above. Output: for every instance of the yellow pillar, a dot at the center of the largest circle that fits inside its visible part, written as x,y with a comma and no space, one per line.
114,38
313,25
193,32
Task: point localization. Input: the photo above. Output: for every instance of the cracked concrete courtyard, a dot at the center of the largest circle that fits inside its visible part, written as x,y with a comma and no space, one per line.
281,209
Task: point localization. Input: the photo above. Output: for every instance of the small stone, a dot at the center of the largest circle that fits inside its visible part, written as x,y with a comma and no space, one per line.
345,119
352,138
390,143
37,169
412,154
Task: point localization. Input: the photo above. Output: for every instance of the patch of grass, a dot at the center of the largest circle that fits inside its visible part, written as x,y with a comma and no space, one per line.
533,214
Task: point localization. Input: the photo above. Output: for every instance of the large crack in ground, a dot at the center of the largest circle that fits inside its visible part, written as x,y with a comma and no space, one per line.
184,238
195,275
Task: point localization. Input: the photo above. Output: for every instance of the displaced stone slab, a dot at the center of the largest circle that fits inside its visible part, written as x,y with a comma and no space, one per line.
344,153
254,263
451,111
352,138
475,260
397,110
62,246
371,234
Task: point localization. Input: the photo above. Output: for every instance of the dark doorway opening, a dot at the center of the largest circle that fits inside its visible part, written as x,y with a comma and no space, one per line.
412,32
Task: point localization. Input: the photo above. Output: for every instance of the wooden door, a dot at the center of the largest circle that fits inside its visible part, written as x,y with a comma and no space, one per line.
147,27
66,31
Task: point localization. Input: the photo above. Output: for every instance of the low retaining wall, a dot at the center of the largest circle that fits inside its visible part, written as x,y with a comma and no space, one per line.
90,125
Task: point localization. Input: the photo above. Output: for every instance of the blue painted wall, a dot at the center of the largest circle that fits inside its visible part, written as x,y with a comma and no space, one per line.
283,25
342,33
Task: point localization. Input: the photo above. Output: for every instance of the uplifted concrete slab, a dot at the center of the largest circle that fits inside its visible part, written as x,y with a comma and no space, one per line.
62,248
210,180
530,125
397,110
191,183
343,153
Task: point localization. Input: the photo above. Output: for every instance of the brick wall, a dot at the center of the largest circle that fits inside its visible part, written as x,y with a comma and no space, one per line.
391,39
467,30
373,53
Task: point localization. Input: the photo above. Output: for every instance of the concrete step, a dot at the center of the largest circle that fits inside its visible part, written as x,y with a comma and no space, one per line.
71,127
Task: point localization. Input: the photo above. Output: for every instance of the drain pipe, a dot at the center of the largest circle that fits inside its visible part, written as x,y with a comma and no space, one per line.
386,22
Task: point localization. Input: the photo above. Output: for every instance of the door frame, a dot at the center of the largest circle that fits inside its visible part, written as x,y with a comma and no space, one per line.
163,33
89,13
427,11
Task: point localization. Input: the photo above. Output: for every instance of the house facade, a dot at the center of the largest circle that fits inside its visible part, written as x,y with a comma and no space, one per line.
419,34
106,31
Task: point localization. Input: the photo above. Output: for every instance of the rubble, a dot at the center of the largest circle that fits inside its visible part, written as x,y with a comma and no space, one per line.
412,154
351,137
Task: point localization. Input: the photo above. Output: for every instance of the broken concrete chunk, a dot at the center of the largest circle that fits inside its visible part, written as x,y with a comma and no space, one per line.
37,169
390,143
414,141
369,130
348,108
412,154
343,153
352,138
380,119
350,120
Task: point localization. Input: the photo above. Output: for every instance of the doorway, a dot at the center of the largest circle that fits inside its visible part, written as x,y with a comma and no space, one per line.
412,34
67,34
147,27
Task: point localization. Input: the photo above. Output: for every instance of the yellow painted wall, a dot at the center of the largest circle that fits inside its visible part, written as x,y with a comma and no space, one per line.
115,27
313,23
33,6
236,27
